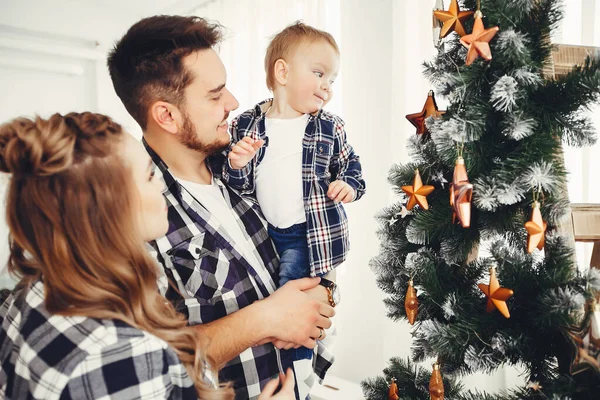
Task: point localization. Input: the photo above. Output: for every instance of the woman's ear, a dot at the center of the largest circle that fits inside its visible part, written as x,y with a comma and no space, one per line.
281,70
166,116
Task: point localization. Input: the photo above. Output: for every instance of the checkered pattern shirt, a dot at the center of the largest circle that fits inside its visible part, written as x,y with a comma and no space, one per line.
214,279
45,356
326,156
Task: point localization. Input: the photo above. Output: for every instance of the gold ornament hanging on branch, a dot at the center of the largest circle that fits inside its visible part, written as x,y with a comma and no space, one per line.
461,193
411,303
436,384
393,391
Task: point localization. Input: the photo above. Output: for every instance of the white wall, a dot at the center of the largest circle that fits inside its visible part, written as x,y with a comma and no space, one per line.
53,59
366,47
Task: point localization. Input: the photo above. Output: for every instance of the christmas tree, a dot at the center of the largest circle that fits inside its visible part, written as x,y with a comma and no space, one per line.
472,253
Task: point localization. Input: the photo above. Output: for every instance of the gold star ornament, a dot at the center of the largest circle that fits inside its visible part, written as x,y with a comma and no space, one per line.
536,229
478,42
430,109
453,19
496,295
417,193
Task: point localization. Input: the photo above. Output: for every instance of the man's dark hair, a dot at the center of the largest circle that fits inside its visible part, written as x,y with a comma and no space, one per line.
146,64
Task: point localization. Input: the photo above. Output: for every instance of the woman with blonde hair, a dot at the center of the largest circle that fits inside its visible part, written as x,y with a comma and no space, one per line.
86,320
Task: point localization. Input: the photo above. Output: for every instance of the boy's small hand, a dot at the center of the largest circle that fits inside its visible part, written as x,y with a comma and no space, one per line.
243,151
340,191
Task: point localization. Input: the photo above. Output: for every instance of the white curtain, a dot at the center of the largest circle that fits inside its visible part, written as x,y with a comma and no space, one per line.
249,26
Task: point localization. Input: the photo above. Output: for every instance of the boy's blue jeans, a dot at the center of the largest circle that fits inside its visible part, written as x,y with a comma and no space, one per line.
292,247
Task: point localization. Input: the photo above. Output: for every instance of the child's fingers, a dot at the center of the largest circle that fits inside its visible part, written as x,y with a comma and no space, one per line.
331,187
349,197
243,154
334,189
342,194
258,144
237,149
233,156
243,145
346,195
247,139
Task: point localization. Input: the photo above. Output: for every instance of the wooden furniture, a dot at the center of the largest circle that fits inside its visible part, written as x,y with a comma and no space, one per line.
585,226
565,57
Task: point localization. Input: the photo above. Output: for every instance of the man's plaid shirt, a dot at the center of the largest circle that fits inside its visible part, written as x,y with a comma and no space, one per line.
326,156
212,277
45,356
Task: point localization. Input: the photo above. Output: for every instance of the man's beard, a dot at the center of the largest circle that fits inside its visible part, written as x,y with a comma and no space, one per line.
190,139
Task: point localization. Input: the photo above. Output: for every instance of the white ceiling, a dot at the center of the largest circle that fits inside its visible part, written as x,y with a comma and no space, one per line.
148,7
133,6
100,21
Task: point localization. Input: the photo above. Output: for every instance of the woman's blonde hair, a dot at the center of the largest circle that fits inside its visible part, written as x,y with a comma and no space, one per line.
71,214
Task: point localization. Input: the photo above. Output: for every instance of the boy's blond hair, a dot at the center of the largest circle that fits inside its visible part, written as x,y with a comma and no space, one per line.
287,41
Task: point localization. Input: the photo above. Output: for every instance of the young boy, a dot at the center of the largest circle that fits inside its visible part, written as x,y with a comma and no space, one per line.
306,169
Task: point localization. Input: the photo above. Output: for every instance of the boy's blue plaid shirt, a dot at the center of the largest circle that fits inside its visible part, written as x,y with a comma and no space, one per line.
212,277
326,156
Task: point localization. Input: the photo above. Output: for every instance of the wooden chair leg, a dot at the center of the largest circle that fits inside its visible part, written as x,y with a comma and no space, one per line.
595,261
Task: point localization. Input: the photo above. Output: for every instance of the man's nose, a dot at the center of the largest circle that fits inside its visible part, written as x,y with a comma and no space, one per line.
232,103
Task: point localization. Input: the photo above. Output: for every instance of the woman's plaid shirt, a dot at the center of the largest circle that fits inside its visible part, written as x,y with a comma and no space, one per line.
45,356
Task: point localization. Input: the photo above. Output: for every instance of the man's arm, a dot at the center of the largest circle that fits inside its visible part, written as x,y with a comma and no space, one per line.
289,315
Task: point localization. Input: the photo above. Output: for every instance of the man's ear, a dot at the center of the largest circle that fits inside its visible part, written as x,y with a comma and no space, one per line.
166,116
281,70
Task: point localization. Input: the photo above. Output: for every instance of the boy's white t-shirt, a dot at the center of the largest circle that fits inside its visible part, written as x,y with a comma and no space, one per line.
278,177
212,199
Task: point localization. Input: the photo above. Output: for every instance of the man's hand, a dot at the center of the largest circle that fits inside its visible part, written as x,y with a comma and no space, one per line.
319,293
280,344
340,191
293,317
243,151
